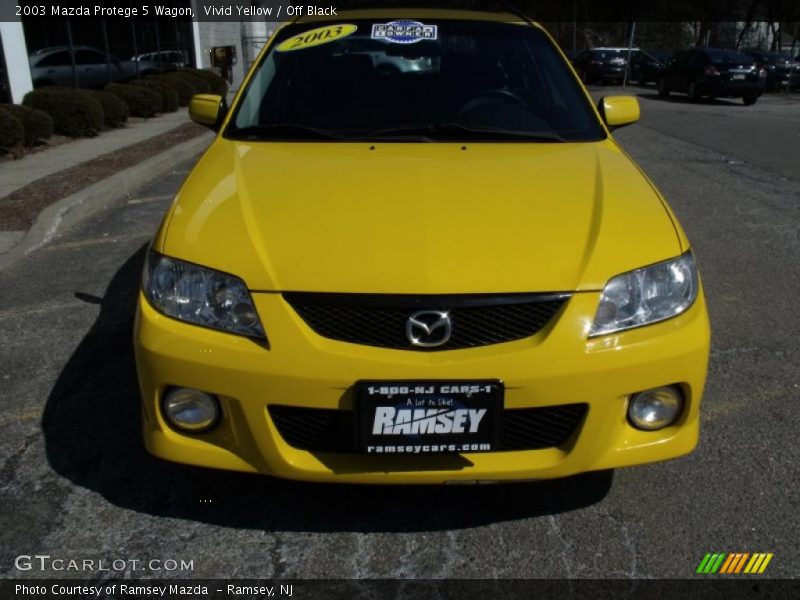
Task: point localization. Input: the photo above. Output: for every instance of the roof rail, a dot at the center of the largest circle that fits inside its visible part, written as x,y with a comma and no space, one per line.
514,10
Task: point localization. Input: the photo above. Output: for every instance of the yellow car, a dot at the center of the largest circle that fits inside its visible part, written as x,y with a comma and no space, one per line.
415,254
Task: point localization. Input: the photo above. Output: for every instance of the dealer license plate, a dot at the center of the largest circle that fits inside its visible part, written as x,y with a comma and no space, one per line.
428,417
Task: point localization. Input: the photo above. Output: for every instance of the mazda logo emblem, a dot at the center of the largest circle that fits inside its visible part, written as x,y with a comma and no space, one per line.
429,328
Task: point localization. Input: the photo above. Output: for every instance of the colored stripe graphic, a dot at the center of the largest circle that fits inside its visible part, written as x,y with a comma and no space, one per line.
741,562
766,562
703,563
715,567
726,566
749,567
758,563
759,558
734,563
711,563
756,558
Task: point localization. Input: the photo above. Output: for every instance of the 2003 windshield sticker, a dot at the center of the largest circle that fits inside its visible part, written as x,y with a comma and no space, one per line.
316,37
404,32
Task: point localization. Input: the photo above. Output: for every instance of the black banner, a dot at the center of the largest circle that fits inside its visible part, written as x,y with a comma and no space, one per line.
279,10
704,587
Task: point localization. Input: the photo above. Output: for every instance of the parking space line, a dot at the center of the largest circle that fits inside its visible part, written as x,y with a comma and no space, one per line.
31,414
92,242
150,199
42,308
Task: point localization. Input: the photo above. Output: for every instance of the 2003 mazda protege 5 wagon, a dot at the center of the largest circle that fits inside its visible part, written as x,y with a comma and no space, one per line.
414,254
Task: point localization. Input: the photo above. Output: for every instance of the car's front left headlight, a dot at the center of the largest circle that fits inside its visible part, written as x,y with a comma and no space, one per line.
201,296
647,295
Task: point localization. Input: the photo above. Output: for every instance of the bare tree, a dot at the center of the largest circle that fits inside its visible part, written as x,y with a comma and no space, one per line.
751,11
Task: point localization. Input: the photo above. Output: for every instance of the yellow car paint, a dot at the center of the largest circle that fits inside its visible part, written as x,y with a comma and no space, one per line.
283,218
595,216
620,110
204,109
316,37
302,369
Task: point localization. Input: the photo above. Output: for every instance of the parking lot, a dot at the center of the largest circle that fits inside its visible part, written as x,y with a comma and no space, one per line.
76,483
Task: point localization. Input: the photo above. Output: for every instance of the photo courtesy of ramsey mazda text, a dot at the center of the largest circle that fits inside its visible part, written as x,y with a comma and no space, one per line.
415,253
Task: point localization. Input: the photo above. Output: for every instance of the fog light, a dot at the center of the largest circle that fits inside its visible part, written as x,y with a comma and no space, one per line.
655,409
191,410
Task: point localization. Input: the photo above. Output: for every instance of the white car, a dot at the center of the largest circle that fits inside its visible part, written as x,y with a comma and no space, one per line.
53,66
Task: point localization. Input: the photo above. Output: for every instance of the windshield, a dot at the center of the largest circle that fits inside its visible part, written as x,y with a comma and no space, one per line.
412,81
775,58
729,57
610,54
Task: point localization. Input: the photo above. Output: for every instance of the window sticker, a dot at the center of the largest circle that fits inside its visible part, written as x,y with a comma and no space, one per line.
317,37
404,32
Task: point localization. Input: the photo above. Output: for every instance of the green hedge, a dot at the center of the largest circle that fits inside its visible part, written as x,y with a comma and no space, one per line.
11,131
37,125
200,85
218,85
168,94
115,111
74,112
141,101
182,86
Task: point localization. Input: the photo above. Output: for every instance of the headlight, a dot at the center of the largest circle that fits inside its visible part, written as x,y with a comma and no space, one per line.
201,296
647,295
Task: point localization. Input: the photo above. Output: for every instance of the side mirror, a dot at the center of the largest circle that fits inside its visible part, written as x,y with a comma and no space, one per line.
619,110
208,110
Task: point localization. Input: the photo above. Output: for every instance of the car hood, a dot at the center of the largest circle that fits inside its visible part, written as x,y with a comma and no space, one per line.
419,218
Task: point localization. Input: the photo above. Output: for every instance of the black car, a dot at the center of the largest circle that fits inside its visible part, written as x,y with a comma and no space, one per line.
602,64
646,67
783,72
713,72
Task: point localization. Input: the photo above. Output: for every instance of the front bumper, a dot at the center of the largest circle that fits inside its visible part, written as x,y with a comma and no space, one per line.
611,73
299,368
715,86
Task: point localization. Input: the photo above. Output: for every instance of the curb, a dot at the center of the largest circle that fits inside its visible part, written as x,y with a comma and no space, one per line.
107,193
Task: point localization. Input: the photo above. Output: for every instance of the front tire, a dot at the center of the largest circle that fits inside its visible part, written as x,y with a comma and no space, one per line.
663,90
750,100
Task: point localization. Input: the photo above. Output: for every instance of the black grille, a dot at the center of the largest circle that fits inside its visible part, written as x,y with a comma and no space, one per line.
315,429
321,430
536,428
381,320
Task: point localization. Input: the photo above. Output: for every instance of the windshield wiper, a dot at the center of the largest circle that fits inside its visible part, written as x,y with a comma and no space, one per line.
427,131
294,131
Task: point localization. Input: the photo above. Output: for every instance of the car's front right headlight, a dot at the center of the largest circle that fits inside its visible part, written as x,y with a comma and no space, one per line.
199,295
647,295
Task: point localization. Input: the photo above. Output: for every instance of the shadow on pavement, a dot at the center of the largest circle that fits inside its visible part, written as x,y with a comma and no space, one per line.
92,432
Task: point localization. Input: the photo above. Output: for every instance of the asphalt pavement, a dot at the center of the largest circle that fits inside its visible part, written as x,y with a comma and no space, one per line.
75,482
